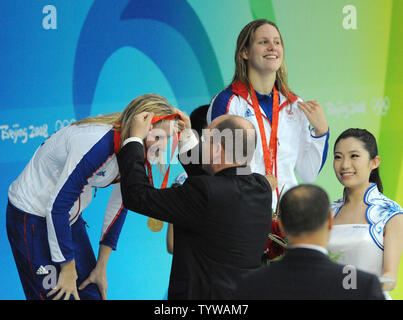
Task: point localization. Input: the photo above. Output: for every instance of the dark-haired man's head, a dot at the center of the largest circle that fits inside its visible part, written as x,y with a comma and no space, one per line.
305,215
198,119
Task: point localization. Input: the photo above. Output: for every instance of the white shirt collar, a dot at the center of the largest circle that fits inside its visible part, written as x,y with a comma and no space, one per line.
309,246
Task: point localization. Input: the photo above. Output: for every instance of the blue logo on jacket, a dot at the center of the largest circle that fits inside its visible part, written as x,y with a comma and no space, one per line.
248,113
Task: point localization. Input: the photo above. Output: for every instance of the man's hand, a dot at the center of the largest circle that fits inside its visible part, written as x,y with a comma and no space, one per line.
141,125
183,123
66,284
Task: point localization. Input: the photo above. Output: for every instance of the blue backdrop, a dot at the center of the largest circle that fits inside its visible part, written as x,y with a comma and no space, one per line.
74,59
62,60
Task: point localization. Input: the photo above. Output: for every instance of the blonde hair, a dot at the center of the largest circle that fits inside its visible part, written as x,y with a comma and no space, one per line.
244,41
121,121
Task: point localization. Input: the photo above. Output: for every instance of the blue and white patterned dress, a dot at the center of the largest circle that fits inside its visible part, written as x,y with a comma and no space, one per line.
361,245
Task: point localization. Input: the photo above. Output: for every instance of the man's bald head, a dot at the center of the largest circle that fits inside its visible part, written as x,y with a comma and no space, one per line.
237,137
304,209
232,121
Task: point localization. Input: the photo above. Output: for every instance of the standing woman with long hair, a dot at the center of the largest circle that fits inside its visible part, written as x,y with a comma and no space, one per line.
368,226
44,223
259,92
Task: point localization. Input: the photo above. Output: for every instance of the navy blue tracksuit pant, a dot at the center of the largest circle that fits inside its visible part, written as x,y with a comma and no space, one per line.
27,234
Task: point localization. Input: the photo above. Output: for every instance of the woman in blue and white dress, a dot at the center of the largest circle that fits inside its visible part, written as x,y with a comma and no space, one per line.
368,229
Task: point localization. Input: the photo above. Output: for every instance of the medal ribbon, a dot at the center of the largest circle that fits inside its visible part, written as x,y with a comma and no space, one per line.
154,225
269,149
174,146
116,140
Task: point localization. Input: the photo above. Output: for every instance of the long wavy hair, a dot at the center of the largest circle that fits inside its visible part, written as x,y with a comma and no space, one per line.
245,40
121,121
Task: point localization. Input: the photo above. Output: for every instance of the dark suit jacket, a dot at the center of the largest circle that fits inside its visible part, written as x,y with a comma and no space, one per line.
221,224
308,274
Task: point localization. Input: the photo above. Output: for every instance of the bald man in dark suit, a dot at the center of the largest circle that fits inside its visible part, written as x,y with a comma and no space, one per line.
306,271
221,214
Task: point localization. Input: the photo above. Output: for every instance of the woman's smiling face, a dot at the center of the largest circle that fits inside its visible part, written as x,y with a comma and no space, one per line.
265,54
352,163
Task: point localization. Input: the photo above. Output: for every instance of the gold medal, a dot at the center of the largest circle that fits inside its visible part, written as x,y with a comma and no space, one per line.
154,225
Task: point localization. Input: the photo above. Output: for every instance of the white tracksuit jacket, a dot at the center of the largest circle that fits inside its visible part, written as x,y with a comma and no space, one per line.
57,184
298,150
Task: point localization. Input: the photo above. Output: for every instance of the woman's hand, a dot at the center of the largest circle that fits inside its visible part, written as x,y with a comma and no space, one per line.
183,123
316,116
66,284
390,284
393,248
97,276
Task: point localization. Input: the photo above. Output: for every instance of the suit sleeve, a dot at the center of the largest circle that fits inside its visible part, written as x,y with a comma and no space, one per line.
181,205
312,153
251,286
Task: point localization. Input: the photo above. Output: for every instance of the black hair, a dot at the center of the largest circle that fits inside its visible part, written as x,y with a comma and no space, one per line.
369,143
304,209
198,119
